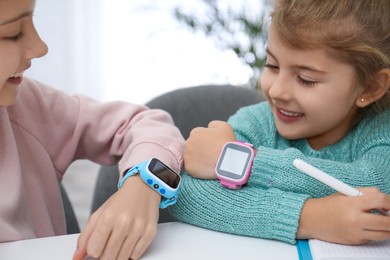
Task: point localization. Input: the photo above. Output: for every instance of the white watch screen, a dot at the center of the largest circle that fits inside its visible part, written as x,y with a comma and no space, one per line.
234,161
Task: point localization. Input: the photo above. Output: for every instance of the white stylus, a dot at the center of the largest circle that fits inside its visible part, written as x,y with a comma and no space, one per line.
330,181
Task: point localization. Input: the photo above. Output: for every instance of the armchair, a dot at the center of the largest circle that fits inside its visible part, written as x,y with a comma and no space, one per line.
190,107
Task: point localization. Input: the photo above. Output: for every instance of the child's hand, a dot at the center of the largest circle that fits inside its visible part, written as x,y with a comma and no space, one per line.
124,226
203,146
346,220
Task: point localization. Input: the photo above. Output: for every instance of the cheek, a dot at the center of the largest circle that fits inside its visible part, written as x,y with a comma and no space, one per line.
265,83
8,93
329,108
4,71
4,75
10,66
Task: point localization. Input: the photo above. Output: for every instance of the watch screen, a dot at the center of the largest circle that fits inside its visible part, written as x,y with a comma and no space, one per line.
164,173
234,161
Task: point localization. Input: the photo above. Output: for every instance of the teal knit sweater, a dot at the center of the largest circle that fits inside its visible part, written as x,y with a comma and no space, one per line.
271,203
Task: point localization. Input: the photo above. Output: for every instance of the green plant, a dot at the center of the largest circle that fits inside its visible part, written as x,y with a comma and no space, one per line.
238,28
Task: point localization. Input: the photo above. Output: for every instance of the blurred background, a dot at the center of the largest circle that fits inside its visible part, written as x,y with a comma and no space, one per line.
135,50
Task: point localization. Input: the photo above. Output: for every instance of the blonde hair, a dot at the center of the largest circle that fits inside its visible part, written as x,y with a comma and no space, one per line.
356,31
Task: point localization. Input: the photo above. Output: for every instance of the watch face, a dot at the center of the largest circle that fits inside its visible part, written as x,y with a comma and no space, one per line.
234,161
164,173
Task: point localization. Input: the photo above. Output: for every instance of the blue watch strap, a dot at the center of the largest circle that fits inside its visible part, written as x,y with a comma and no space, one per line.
165,202
133,171
141,169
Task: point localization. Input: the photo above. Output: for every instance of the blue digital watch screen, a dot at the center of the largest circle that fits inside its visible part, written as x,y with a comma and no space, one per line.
164,173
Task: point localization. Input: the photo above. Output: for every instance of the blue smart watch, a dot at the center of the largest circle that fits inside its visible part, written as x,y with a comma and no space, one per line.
159,177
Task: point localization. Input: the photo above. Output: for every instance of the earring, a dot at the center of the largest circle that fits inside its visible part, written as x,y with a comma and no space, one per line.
362,100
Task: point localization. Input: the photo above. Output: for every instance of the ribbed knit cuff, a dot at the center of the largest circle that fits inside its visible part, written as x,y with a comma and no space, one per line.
251,211
286,215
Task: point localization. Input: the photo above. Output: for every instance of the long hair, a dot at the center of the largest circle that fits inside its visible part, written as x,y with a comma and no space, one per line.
355,31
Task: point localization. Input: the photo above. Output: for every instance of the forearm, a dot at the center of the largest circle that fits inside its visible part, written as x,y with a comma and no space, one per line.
251,211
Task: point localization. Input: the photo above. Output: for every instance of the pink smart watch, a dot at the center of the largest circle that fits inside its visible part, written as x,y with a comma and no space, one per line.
234,164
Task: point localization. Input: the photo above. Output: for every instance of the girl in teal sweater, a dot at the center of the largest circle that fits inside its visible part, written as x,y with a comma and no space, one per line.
326,82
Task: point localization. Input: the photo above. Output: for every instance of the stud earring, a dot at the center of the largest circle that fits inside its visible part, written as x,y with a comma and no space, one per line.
362,100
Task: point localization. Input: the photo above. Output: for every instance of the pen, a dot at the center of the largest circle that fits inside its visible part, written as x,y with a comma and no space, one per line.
330,181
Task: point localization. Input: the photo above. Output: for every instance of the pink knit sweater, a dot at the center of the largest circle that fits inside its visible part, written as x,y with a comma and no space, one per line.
46,130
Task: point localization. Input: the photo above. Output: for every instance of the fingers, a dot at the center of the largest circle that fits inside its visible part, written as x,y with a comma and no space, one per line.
121,246
377,228
79,254
123,226
218,123
96,239
81,250
219,129
204,145
374,227
102,244
374,199
212,124
377,222
346,220
136,248
377,235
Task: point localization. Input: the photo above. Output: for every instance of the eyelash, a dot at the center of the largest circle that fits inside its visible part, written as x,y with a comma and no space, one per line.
306,82
15,37
270,66
301,80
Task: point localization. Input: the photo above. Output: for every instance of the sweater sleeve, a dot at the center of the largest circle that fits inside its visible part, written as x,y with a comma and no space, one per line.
250,211
78,127
269,206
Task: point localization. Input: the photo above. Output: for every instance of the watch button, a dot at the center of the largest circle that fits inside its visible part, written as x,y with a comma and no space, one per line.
156,186
149,181
162,191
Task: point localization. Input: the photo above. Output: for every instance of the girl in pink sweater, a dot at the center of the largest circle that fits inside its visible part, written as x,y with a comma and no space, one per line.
42,131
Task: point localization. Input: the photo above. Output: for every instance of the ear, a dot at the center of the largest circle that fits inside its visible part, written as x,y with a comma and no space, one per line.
376,90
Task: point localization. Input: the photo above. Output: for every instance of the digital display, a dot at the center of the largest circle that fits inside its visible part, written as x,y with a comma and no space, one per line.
164,173
234,161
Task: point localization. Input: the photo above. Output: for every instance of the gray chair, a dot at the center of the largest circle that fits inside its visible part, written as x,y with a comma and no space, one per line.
72,225
189,107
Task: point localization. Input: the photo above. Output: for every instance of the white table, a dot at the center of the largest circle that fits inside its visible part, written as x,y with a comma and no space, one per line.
173,241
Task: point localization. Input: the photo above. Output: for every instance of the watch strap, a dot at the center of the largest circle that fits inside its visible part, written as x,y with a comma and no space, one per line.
229,184
165,202
131,172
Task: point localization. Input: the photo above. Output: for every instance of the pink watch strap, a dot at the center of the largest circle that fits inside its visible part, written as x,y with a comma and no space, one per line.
233,183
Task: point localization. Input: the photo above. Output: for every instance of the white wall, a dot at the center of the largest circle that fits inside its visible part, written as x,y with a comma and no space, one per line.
126,49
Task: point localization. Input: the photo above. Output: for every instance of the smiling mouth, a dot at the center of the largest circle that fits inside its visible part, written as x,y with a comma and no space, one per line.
17,75
289,113
16,78
288,116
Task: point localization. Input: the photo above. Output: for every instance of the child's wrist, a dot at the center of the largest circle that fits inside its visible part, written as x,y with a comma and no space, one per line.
306,227
136,183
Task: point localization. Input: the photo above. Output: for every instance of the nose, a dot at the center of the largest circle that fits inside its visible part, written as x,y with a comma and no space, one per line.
280,88
35,47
